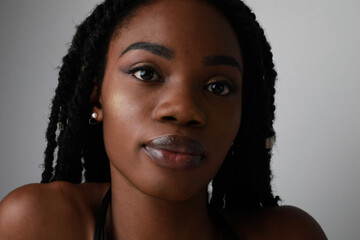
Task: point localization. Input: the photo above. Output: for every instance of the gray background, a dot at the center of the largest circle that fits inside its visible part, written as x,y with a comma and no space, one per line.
316,50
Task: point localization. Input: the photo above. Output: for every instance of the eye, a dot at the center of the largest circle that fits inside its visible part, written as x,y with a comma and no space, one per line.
220,87
144,73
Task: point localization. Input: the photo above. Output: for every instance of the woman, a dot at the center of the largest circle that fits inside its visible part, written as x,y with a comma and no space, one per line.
155,100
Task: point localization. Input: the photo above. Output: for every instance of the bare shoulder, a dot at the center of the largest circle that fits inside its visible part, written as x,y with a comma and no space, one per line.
284,222
42,211
291,222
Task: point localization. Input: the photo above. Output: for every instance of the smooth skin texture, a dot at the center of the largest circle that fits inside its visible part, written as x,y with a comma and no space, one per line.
159,80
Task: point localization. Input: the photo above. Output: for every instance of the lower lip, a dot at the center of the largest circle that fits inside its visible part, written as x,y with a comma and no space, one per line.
173,160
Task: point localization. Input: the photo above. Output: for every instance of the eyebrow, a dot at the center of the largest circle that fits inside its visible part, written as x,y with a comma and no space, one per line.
222,60
153,48
169,53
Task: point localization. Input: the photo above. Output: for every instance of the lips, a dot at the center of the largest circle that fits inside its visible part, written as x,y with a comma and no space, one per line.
175,152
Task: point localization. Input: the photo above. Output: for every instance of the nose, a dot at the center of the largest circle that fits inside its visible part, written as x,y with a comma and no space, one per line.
181,106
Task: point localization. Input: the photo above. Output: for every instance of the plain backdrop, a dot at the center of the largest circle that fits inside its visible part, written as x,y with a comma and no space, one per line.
316,46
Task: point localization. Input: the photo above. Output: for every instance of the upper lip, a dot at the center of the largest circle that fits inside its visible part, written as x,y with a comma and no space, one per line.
177,144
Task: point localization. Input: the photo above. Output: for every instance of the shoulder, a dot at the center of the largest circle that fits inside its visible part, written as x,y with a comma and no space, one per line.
39,211
291,222
284,222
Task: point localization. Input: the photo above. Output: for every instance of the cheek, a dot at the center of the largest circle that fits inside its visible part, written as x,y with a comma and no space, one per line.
225,127
121,118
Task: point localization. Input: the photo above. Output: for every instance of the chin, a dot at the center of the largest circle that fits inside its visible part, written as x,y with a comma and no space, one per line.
157,182
168,185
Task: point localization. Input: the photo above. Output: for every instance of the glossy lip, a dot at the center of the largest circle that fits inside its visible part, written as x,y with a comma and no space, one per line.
175,152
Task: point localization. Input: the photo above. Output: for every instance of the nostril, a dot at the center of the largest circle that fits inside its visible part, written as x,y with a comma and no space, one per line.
168,118
174,119
192,123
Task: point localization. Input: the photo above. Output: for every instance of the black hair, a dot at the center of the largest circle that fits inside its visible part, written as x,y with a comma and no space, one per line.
243,182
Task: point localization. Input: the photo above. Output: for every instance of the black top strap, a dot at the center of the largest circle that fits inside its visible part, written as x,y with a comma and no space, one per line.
226,230
100,227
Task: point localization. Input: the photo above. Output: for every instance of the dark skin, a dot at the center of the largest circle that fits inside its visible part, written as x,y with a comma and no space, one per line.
172,83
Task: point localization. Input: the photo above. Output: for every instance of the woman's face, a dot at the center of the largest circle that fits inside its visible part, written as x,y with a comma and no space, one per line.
171,98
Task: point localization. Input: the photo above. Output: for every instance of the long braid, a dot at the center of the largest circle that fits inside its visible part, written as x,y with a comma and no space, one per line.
57,113
71,144
269,76
51,142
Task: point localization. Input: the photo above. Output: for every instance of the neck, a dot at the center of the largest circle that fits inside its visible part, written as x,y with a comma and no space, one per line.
136,215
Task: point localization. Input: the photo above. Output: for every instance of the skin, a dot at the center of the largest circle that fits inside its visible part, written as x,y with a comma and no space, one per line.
150,201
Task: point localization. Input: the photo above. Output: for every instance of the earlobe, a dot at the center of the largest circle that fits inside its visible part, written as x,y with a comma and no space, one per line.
96,115
95,101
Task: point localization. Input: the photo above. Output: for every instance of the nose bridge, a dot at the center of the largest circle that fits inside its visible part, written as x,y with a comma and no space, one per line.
181,104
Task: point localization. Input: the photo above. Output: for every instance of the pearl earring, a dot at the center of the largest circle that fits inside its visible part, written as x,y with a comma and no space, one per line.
93,118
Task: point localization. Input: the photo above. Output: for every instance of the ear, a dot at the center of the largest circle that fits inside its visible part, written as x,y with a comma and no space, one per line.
95,101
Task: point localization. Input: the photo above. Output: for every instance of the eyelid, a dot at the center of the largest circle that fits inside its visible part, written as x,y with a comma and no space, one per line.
140,67
223,79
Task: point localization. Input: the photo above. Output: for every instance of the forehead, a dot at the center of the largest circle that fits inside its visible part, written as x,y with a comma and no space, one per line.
185,26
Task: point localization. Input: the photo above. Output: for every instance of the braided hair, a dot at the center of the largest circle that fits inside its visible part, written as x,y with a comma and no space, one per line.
243,182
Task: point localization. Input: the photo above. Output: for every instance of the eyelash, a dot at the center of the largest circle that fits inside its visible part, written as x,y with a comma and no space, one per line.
133,71
230,86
